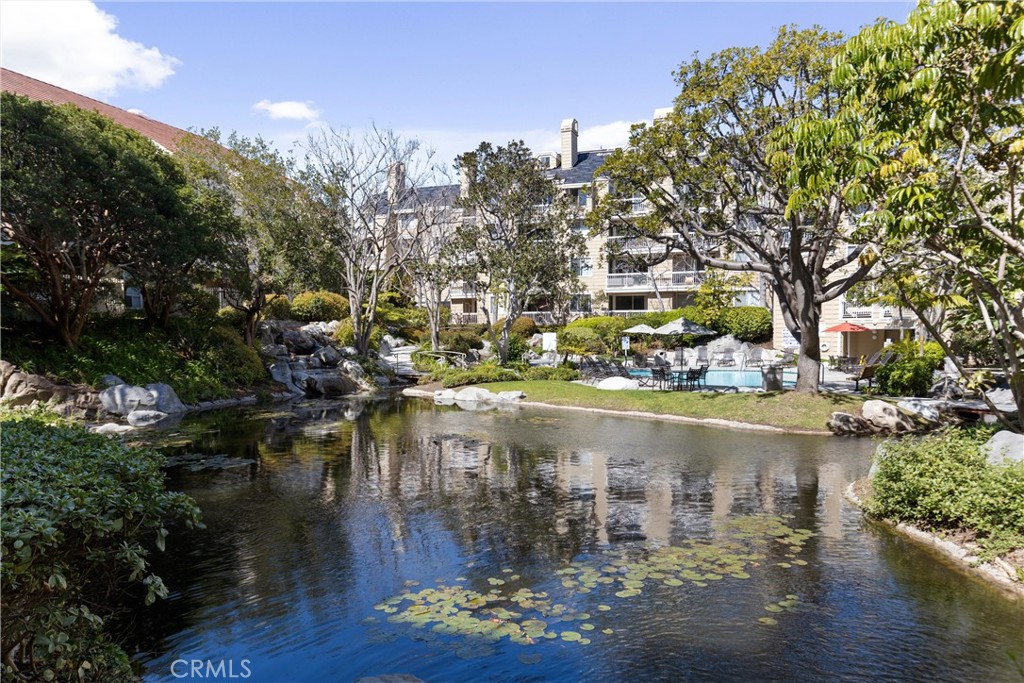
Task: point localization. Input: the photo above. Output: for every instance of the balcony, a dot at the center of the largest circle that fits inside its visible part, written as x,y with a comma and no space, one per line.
883,315
462,290
466,318
678,280
640,207
540,317
627,314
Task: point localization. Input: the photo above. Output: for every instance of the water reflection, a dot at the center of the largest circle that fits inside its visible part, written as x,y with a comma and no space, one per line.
345,506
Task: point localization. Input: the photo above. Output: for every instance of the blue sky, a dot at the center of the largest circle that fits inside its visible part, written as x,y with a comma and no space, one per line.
451,74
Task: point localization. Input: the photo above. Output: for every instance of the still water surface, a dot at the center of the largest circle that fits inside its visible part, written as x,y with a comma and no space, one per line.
531,545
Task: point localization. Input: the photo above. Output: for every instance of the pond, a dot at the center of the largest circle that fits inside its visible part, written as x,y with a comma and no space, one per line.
353,540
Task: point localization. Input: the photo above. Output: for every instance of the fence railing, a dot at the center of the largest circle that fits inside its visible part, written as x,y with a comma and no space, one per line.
678,279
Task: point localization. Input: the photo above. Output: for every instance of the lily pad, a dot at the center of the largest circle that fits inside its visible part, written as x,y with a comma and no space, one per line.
587,627
767,621
531,658
570,636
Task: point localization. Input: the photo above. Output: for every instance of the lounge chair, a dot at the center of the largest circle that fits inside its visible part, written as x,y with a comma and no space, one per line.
619,370
726,358
702,355
864,373
661,377
755,358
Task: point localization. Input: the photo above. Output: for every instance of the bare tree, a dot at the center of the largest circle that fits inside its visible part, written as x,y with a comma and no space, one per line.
357,186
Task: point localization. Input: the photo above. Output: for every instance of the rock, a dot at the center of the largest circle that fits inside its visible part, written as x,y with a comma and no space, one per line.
348,352
444,395
846,424
24,389
6,370
511,395
282,374
298,342
382,380
313,363
353,369
476,394
385,348
165,400
726,343
274,351
475,406
886,418
1004,447
328,355
145,418
111,380
925,412
332,327
1002,398
618,384
111,428
333,384
124,398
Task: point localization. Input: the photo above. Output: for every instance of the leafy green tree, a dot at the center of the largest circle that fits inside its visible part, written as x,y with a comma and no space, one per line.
273,243
720,174
517,243
942,96
79,190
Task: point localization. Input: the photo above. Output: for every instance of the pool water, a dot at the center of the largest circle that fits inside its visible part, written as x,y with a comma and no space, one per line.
528,545
722,377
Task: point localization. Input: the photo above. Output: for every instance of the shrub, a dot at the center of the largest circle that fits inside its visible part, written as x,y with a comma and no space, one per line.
910,372
80,510
228,358
462,341
277,308
345,334
562,373
319,306
746,323
517,347
197,303
481,374
231,317
943,481
581,341
523,327
609,327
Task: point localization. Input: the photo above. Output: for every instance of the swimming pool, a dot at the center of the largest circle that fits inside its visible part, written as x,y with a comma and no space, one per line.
729,377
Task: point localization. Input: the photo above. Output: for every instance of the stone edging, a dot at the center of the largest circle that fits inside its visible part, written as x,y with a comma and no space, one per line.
997,572
639,414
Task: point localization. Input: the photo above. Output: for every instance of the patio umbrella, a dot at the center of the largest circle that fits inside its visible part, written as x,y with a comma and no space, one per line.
683,326
639,329
846,328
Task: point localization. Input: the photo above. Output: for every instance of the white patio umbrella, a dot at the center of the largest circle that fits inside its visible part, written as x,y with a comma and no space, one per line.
683,326
639,329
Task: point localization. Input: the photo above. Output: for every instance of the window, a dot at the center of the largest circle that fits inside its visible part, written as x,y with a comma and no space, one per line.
469,306
582,267
132,299
629,303
580,303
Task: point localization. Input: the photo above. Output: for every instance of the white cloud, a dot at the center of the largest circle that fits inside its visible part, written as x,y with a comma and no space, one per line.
75,45
299,111
605,135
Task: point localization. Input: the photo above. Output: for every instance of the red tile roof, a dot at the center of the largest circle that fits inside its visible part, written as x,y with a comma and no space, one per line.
161,133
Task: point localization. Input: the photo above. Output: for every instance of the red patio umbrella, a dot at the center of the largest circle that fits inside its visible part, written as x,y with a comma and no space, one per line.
847,327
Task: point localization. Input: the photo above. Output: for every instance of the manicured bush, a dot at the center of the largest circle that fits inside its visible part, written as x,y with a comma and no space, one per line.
580,341
608,327
319,306
232,317
746,323
517,347
942,481
226,355
481,374
345,334
462,341
910,372
81,514
562,373
521,326
277,308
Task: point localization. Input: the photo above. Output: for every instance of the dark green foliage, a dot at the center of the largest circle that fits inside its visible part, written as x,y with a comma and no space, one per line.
277,308
232,317
910,372
196,302
481,374
319,306
581,341
81,513
517,346
461,340
943,481
563,373
746,323
201,359
522,326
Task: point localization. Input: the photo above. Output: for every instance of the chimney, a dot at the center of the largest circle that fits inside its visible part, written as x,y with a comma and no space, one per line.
396,182
463,181
570,132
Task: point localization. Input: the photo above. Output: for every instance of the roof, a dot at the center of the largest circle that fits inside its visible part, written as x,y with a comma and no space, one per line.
587,164
161,133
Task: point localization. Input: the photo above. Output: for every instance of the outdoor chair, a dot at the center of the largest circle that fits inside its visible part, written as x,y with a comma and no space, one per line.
690,380
639,360
702,355
661,377
703,376
726,358
755,358
619,370
865,373
644,381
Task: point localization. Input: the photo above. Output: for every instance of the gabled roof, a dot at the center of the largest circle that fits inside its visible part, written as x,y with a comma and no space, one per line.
587,164
164,135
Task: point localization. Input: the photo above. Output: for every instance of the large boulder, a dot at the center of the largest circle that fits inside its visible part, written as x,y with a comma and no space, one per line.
111,380
299,342
726,343
511,395
444,395
886,418
282,374
353,369
618,383
923,412
846,424
476,394
328,355
274,351
6,370
23,389
1004,447
165,400
124,398
330,384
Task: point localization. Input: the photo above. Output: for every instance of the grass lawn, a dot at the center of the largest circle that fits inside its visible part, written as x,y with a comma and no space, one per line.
787,410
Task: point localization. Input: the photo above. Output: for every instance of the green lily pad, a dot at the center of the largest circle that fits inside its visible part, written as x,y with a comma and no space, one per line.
603,608
767,621
672,582
587,627
570,636
584,641
531,658
607,631
773,608
496,582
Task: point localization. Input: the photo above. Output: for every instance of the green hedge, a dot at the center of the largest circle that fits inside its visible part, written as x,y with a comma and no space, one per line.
523,327
481,374
278,308
942,481
319,306
910,372
746,323
81,513
462,341
562,373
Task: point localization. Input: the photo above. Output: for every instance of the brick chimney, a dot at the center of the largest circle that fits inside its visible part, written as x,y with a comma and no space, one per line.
570,133
396,182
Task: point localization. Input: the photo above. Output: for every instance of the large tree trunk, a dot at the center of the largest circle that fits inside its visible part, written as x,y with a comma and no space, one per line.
808,368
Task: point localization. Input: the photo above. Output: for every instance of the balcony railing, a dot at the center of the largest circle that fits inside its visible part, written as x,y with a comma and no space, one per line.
462,290
851,312
674,280
466,318
627,314
540,317
639,207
